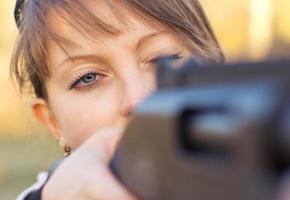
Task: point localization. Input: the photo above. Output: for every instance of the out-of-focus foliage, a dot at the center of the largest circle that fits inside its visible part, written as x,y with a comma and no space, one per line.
251,29
247,30
25,147
12,111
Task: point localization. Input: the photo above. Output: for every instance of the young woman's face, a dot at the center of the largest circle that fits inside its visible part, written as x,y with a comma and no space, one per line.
105,78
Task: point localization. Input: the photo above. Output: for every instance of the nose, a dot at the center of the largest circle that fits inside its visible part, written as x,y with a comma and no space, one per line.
134,92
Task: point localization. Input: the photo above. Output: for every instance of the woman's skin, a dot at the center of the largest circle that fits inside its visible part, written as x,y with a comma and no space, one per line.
92,94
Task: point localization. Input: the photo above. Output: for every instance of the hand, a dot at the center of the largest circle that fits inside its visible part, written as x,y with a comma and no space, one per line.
284,192
85,173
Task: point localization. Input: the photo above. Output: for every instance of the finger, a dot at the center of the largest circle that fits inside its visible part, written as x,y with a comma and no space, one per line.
284,191
103,143
108,187
99,150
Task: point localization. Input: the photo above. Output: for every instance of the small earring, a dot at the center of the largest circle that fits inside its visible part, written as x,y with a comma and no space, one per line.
67,149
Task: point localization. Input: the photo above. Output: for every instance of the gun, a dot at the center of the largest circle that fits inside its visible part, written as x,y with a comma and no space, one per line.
210,132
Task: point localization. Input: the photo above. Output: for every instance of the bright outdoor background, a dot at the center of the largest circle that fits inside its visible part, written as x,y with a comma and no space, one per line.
247,29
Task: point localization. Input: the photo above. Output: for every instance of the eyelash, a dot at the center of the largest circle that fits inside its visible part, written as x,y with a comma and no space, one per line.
176,56
81,76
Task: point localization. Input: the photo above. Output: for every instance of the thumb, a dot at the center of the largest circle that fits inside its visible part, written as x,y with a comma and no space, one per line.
103,143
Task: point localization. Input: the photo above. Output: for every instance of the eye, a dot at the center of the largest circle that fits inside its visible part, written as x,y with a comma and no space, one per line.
89,78
173,57
86,80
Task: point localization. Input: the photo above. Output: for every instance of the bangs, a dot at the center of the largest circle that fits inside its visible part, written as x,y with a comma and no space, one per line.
75,14
78,16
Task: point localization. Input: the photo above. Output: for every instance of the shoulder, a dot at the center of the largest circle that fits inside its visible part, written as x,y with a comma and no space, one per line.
41,179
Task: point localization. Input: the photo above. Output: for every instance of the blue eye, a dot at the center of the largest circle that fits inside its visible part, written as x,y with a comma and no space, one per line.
86,80
89,78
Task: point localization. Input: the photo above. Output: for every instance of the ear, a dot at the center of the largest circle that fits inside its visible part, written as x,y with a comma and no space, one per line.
43,113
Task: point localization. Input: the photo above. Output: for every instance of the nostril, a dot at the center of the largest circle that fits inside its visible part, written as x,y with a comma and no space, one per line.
128,109
130,104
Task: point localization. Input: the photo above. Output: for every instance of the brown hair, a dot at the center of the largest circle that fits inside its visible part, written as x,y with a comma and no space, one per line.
185,18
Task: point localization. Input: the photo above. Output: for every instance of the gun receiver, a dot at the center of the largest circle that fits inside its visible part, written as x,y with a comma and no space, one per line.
210,132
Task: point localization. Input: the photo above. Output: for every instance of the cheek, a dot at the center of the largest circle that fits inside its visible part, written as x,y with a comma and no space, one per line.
82,114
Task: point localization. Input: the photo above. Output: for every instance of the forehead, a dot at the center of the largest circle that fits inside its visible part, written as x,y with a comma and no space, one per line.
94,20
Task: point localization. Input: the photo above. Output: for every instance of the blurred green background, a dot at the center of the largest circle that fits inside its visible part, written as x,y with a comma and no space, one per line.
248,30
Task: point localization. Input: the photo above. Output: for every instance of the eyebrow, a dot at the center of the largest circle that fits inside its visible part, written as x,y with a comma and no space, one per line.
80,57
146,38
139,44
142,40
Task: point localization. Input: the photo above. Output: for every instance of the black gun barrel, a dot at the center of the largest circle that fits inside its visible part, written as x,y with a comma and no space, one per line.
210,132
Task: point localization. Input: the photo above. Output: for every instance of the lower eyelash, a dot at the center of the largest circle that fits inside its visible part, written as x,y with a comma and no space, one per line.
95,83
